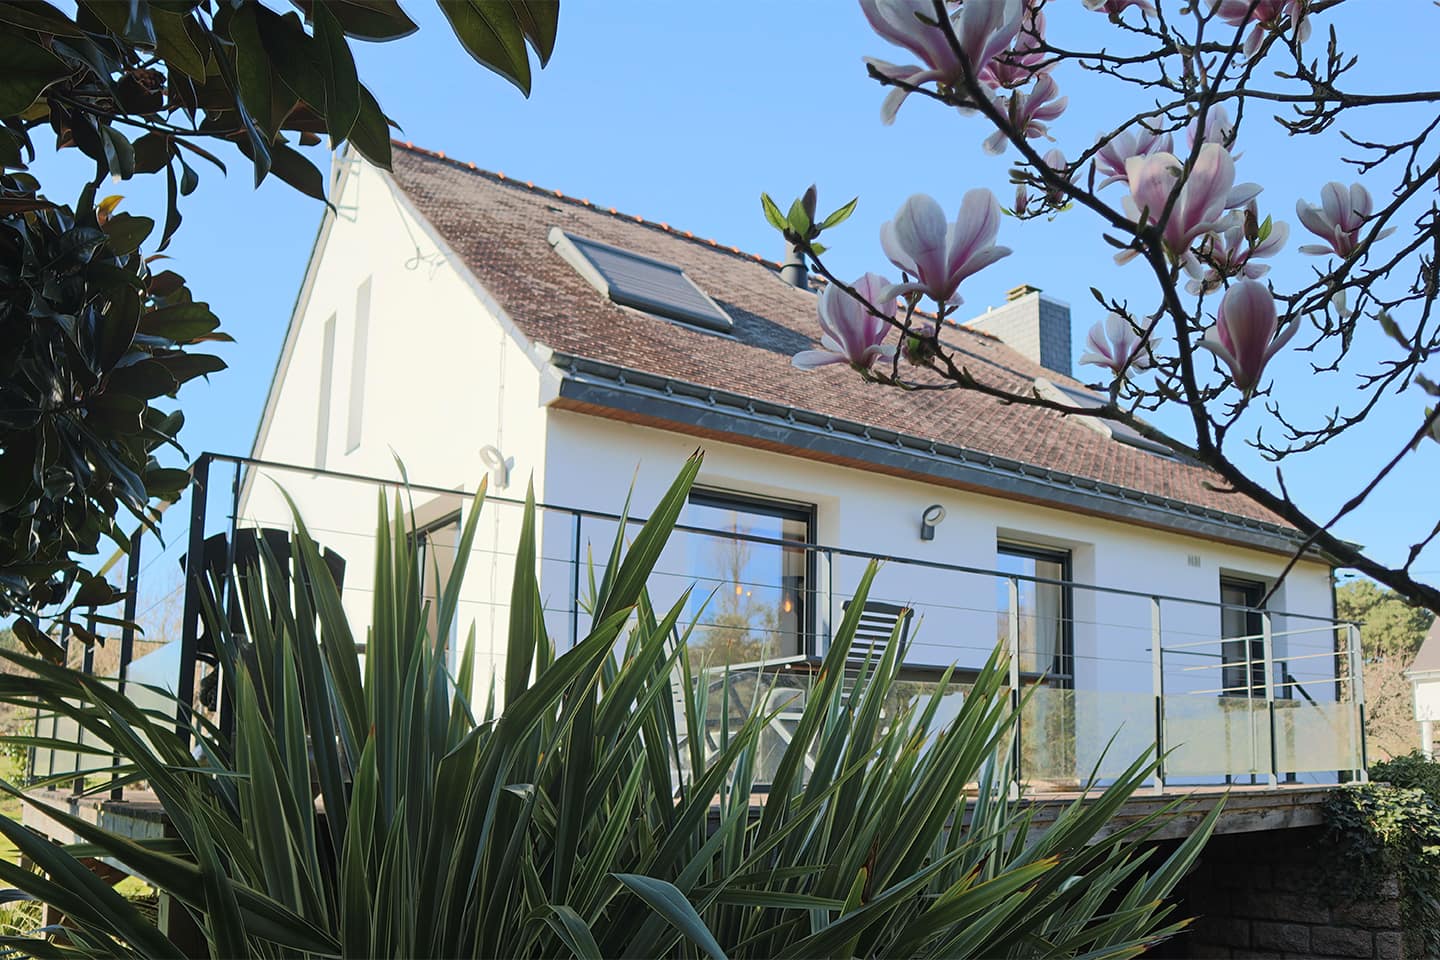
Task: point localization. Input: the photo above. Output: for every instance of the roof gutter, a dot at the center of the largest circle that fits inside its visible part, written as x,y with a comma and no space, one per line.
592,383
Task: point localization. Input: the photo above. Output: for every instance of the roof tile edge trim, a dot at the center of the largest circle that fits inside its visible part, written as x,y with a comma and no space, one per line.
670,388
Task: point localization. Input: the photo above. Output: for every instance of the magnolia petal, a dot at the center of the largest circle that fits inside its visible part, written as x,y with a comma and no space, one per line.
814,359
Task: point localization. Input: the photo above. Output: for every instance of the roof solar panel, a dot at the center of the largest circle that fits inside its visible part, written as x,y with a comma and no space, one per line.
1122,432
634,280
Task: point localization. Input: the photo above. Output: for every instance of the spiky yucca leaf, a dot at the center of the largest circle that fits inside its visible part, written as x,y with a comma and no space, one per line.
588,815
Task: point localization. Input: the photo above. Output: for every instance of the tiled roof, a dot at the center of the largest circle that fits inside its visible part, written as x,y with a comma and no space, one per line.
1428,659
498,226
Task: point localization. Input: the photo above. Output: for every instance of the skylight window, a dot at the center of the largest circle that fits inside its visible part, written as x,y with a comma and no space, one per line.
633,280
1120,432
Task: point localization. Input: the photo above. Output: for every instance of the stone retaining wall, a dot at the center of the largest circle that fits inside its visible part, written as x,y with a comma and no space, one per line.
1265,895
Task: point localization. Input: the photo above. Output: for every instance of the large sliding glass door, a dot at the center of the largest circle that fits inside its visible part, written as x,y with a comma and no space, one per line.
763,606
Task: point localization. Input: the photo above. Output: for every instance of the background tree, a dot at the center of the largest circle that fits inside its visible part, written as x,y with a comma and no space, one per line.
1164,187
1391,633
91,333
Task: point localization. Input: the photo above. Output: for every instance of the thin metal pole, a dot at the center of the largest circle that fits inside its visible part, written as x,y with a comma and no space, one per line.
1157,683
87,667
1357,686
829,601
127,633
575,544
194,584
1013,637
1267,640
230,600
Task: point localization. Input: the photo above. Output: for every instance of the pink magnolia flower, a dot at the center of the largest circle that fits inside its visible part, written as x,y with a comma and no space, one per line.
1134,142
983,27
938,254
1219,128
1019,64
1204,196
1029,112
1338,220
1244,332
1265,14
1228,252
1115,343
851,333
1116,7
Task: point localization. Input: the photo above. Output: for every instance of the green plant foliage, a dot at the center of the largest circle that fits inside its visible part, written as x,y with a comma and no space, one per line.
89,335
580,811
1411,771
90,339
1389,625
1383,831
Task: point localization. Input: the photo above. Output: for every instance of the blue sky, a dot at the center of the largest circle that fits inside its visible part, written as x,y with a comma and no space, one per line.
684,112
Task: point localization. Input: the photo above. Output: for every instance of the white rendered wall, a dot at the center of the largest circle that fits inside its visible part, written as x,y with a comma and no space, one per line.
592,462
442,379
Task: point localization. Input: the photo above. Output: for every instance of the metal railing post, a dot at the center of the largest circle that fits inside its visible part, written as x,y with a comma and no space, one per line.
87,667
1357,688
830,602
1267,640
1157,683
127,634
194,584
575,546
229,601
1013,639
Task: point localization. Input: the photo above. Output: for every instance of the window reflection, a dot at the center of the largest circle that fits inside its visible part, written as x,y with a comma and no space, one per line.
1044,608
761,608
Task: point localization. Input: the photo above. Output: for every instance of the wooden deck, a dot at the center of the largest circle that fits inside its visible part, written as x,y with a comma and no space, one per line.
1248,809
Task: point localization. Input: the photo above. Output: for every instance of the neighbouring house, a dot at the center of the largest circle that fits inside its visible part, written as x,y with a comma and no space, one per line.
470,324
1424,677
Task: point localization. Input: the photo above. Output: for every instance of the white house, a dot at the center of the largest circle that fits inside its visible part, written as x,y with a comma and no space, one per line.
1424,677
470,324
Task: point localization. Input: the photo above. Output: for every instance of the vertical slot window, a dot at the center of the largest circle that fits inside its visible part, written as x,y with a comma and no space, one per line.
359,348
327,385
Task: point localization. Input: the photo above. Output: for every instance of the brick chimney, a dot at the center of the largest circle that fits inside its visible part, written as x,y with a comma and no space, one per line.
1032,324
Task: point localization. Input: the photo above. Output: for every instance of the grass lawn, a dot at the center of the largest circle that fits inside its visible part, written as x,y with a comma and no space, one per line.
11,771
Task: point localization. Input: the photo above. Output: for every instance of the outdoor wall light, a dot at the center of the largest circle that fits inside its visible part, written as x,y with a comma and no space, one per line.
498,464
931,519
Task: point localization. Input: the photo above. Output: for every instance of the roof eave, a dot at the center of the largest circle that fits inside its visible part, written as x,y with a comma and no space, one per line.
698,409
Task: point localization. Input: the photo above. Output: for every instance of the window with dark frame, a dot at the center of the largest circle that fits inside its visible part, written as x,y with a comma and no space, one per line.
1242,647
1047,635
763,607
436,544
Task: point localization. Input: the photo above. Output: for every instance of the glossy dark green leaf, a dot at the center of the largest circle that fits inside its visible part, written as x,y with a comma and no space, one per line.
119,153
252,66
147,380
152,152
125,232
181,323
166,482
188,366
173,42
342,84
539,21
29,69
37,642
38,15
368,19
295,169
371,134
490,32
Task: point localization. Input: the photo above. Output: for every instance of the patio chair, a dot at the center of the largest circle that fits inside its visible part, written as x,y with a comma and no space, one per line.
879,623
